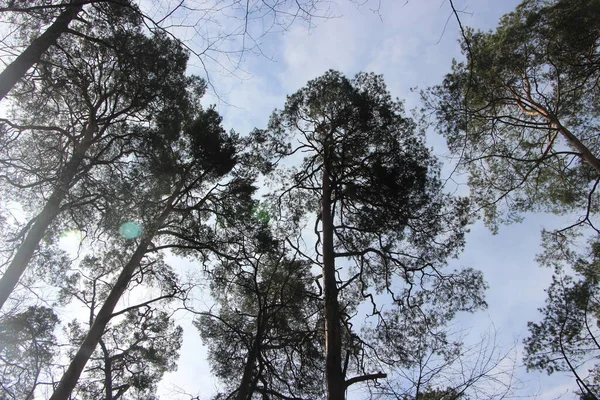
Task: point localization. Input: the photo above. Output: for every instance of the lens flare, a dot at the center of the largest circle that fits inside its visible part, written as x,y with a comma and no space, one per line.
130,230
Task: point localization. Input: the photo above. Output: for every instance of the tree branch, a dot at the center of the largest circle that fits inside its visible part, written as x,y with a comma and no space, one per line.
362,378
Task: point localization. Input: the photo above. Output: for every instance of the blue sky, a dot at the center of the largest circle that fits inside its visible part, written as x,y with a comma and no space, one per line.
412,44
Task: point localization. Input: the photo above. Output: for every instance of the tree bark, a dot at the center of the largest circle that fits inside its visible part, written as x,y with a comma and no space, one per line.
333,338
32,54
51,209
71,375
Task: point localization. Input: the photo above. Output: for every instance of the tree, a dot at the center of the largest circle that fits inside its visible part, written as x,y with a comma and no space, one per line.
132,357
141,342
32,54
97,31
521,113
435,394
426,360
567,337
179,176
72,121
27,348
377,196
265,337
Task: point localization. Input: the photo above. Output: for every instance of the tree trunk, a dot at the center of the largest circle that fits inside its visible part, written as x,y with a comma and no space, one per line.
71,375
32,54
585,152
107,371
333,337
248,382
51,209
538,109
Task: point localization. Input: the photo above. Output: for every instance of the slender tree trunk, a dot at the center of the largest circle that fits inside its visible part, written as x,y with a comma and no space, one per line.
32,54
107,371
333,337
585,152
248,382
51,209
71,375
539,109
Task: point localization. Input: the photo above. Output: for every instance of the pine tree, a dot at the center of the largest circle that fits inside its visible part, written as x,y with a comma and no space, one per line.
383,224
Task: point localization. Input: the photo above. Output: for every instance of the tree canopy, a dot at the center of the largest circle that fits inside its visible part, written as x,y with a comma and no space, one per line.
521,117
521,112
337,277
566,339
383,225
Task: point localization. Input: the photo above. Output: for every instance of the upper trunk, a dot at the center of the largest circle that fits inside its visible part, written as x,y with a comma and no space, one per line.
531,107
32,54
585,153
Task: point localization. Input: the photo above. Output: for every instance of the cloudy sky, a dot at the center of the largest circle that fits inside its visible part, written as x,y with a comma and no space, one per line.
412,44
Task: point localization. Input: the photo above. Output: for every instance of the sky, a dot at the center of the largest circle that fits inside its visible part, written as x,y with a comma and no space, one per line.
411,43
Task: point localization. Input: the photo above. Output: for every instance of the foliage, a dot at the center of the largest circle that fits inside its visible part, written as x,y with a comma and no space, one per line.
381,211
237,27
567,337
71,138
82,84
27,349
133,355
386,191
437,394
180,178
521,113
107,129
141,343
264,336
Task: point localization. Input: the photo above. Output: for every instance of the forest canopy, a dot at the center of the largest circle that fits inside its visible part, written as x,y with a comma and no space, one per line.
317,255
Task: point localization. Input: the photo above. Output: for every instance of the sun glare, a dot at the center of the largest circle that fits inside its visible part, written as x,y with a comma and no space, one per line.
130,230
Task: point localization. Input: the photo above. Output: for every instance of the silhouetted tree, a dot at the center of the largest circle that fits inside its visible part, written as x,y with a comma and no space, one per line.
379,205
567,338
74,126
265,332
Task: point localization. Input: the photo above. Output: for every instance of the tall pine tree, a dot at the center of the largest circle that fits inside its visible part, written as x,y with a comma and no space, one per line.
383,224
